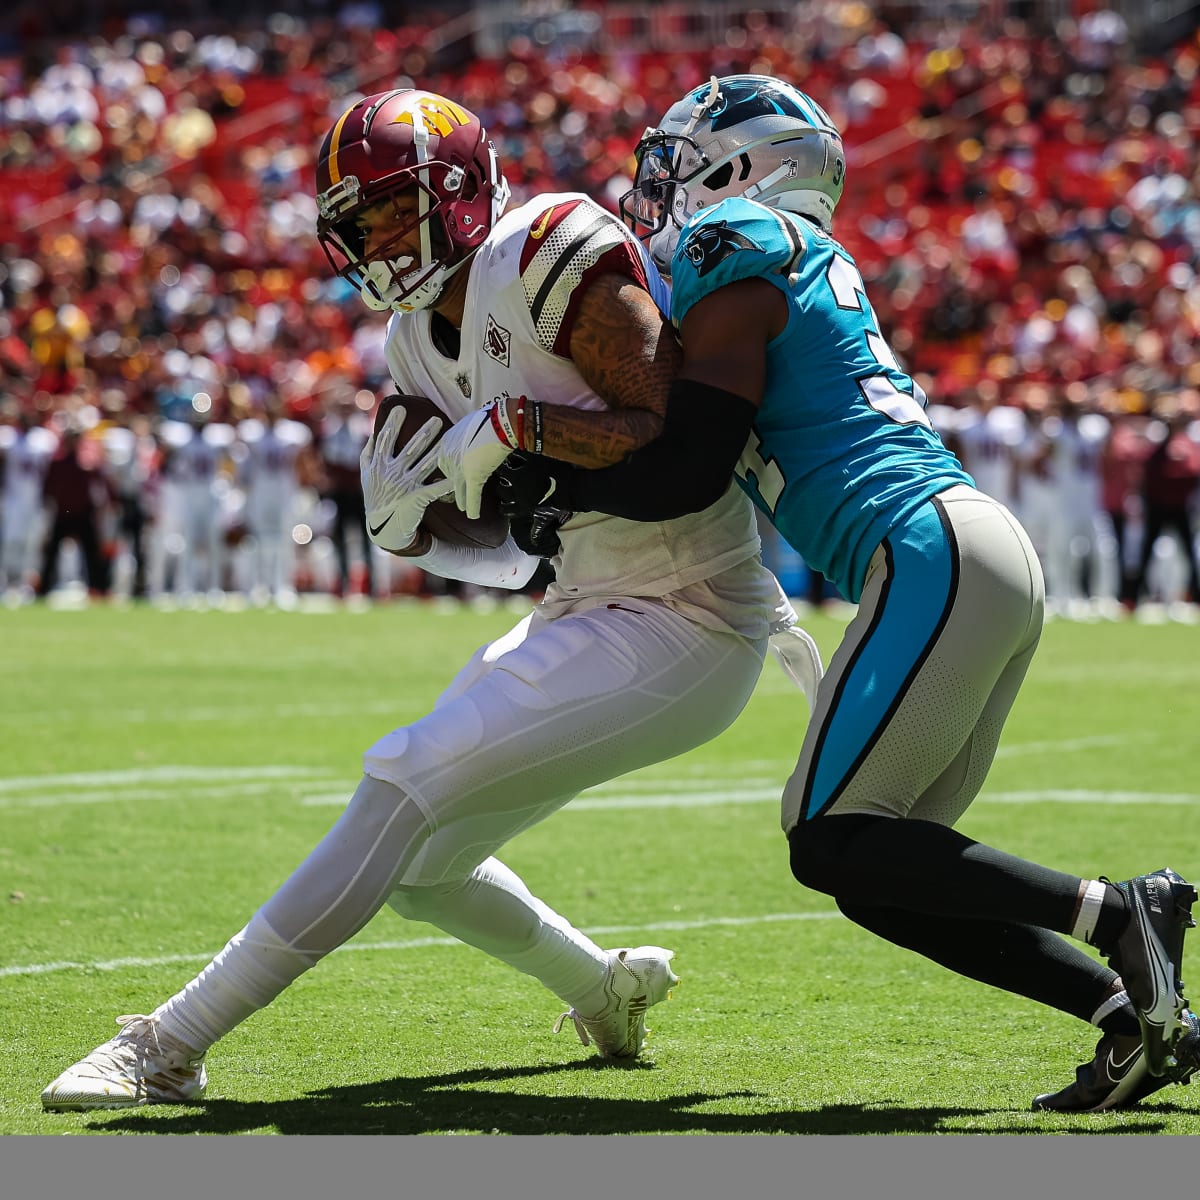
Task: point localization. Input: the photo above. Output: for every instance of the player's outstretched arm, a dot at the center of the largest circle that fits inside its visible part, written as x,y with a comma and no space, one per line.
626,351
628,354
709,414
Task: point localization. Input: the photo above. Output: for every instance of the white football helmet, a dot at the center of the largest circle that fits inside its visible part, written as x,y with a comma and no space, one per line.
744,135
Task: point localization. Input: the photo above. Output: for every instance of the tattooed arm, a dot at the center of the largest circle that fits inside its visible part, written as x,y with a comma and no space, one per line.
628,354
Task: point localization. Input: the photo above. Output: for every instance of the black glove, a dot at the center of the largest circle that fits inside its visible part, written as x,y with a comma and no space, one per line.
537,532
526,482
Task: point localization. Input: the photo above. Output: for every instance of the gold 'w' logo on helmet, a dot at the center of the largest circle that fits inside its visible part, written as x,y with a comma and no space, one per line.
439,114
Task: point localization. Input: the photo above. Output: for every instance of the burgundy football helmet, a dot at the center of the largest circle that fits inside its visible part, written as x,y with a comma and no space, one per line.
401,141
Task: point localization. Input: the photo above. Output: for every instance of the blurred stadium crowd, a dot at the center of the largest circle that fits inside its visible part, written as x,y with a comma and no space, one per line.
184,388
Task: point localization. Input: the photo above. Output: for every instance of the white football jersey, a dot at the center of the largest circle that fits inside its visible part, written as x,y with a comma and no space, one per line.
988,442
270,453
525,285
25,458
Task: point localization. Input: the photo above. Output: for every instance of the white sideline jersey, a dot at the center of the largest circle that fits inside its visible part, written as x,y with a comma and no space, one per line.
526,282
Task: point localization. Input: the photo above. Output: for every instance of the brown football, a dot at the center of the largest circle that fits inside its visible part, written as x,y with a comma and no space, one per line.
443,518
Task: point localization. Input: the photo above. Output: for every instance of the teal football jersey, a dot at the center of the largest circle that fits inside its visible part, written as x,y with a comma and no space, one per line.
841,448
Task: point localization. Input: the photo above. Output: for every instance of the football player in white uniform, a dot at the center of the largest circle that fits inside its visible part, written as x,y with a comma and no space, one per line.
25,452
268,456
187,534
985,438
649,643
1077,437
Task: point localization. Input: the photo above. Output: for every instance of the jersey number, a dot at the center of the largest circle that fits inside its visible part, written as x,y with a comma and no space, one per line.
878,390
765,472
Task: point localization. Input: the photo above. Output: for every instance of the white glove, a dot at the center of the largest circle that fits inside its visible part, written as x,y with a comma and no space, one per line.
472,449
395,491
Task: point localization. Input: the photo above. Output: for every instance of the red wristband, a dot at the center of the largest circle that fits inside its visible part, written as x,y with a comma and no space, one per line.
501,425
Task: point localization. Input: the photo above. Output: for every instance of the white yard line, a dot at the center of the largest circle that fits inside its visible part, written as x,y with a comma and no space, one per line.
154,783
210,792
758,795
180,782
167,960
215,712
142,775
1088,796
1022,749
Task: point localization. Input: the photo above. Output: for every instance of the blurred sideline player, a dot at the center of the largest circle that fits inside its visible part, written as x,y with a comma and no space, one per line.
130,459
783,355
268,452
1077,436
187,543
985,436
343,433
648,644
1059,495
25,452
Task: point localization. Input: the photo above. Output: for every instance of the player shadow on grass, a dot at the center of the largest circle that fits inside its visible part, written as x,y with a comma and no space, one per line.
457,1103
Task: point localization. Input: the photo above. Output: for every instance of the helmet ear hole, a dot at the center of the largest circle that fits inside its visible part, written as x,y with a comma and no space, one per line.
438,241
719,178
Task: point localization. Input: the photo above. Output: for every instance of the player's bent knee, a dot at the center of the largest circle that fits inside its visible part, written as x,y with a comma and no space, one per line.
375,804
821,851
416,903
803,852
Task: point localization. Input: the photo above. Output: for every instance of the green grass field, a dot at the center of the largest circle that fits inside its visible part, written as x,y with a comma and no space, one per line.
163,772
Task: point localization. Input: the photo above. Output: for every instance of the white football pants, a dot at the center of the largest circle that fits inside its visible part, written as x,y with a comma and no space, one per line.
553,707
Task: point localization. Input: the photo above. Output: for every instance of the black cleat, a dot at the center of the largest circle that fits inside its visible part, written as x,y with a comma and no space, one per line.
1117,1077
1147,956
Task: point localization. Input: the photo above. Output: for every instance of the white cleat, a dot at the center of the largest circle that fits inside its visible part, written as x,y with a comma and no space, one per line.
636,980
141,1065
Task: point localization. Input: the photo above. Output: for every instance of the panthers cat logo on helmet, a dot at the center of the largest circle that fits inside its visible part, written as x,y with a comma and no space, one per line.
423,164
743,135
744,96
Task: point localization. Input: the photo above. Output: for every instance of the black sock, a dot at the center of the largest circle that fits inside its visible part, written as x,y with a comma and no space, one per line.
923,867
1121,1020
1122,1023
1113,918
1018,958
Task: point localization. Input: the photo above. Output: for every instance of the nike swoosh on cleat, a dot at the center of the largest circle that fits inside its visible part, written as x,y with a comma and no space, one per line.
1116,1071
376,530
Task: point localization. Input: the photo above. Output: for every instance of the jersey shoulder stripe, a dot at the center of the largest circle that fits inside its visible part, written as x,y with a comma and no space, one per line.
734,239
562,248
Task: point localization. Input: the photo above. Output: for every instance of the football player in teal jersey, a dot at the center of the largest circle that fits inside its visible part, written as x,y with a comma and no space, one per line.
789,385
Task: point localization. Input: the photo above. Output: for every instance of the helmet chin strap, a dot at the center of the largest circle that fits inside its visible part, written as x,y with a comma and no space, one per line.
383,276
767,182
662,247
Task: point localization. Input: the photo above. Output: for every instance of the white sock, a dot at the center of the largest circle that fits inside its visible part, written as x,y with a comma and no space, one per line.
332,894
1089,911
255,966
1110,1005
494,911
